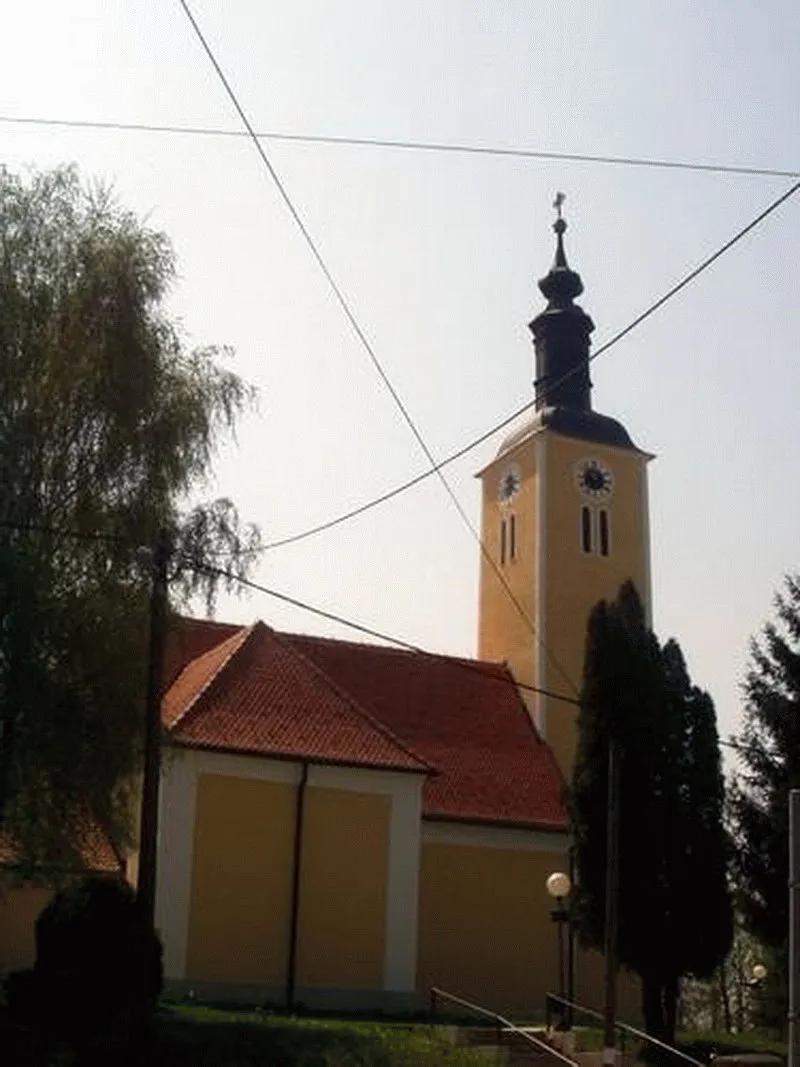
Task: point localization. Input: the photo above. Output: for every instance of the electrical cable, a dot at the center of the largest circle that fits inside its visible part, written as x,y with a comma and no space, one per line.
366,344
344,304
649,310
446,147
370,632
322,613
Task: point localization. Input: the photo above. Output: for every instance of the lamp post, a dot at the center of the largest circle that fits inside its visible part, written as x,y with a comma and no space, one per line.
757,982
559,887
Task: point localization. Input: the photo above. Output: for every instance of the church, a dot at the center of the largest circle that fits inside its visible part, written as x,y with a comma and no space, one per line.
345,825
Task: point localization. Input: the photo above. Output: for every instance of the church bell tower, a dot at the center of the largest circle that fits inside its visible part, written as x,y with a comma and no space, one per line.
564,517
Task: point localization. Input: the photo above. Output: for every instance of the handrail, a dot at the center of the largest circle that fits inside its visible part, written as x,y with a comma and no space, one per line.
436,993
628,1029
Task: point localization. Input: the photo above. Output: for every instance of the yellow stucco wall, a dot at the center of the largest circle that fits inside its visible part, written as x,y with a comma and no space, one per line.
240,906
552,578
19,910
486,933
241,881
342,924
485,930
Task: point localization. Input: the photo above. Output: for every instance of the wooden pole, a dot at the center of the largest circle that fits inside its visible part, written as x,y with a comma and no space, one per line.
794,926
612,907
148,831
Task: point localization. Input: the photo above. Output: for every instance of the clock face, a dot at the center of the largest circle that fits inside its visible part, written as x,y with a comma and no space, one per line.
510,482
594,479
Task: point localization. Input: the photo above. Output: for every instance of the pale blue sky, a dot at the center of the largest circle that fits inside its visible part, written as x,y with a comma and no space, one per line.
439,255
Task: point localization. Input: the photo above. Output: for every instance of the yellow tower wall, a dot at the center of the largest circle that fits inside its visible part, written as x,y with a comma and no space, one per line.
577,580
505,629
554,582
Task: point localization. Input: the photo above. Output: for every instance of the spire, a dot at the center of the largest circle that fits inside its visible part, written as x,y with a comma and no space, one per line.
561,333
560,285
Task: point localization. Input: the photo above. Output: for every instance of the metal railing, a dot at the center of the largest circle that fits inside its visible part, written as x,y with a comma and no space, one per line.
624,1029
502,1024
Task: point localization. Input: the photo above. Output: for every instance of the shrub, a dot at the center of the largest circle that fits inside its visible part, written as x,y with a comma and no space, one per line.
98,961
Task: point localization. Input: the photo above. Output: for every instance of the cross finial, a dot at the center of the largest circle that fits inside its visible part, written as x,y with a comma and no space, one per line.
559,200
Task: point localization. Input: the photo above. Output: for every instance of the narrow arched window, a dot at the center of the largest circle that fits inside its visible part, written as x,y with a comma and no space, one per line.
586,529
512,537
605,532
502,541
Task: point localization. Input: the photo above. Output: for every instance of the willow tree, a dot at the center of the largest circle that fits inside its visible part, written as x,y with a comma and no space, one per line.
674,907
108,425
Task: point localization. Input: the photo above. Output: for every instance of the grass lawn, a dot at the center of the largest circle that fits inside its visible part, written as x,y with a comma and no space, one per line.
210,1037
200,1036
701,1045
194,1036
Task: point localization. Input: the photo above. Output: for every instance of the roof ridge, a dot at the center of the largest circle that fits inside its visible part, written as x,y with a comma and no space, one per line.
350,700
450,657
238,640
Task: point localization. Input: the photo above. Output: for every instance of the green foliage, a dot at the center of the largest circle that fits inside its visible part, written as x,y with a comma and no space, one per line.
108,424
769,758
731,1000
208,1037
674,907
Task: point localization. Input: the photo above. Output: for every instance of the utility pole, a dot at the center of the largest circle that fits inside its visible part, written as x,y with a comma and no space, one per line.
148,832
794,926
612,907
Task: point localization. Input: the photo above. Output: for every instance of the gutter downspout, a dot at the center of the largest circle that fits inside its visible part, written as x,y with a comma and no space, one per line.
291,967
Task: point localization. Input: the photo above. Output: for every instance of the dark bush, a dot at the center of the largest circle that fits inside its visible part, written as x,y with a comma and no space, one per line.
20,994
98,963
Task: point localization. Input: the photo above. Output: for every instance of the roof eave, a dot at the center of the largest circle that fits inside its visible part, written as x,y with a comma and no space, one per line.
293,757
542,826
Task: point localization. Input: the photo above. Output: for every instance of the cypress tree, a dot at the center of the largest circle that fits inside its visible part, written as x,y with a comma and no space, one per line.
674,909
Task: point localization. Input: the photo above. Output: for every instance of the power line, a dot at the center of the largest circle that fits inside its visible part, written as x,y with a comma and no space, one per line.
366,344
391,493
445,147
368,631
650,310
322,613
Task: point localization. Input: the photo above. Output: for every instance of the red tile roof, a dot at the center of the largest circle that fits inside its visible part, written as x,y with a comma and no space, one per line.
320,699
466,718
255,693
190,638
196,676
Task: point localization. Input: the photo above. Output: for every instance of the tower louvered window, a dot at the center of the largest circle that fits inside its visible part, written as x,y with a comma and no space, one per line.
586,529
604,520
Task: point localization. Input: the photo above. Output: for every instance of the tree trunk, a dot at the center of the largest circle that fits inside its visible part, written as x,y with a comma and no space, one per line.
726,1000
653,1005
671,988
